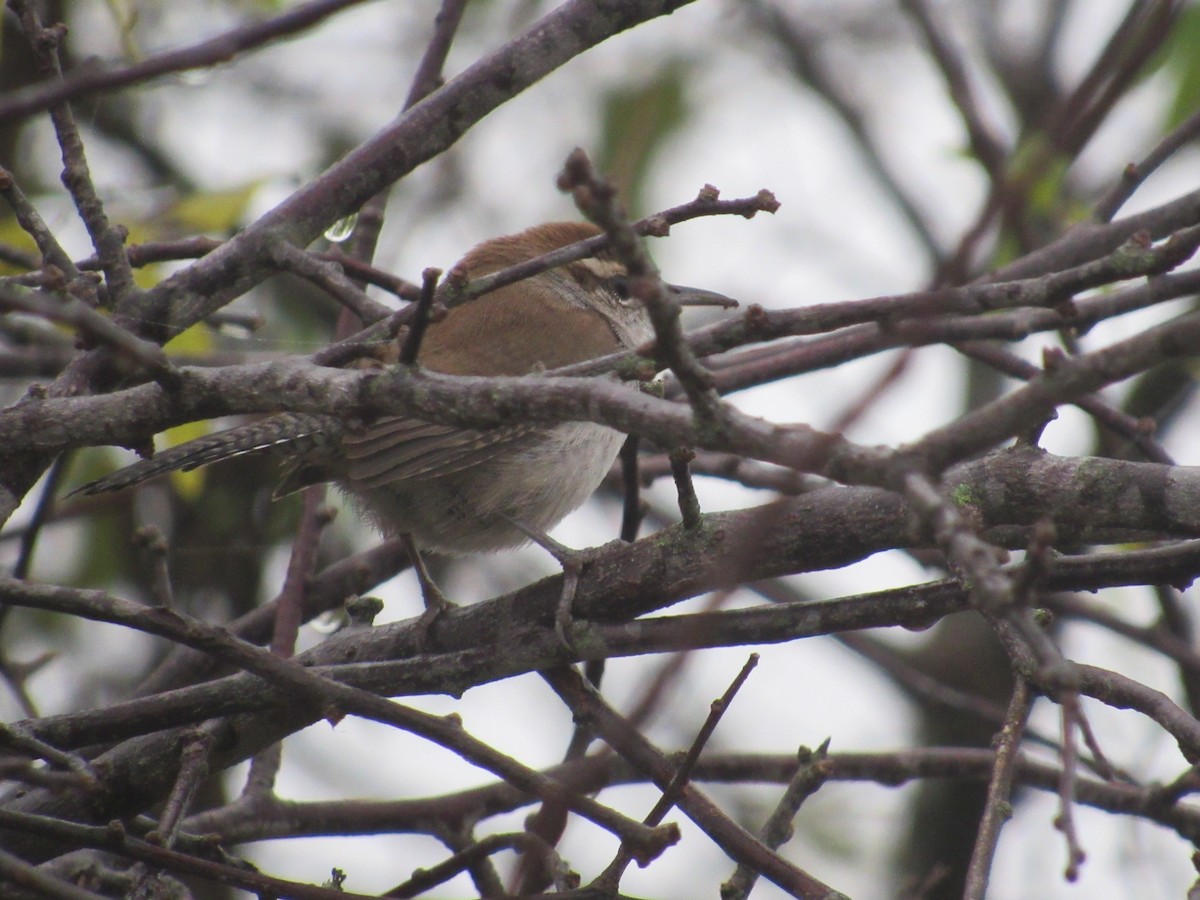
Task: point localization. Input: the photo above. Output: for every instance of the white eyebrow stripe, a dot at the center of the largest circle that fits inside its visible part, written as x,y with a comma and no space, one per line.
602,268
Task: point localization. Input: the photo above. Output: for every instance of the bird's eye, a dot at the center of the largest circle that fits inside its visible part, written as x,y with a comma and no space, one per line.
619,285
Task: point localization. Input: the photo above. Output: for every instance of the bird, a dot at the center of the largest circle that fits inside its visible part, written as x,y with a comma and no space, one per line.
452,490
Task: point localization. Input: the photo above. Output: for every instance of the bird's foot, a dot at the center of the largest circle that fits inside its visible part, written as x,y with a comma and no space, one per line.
436,603
572,562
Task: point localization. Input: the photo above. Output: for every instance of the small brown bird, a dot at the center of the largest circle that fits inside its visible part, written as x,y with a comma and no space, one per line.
459,490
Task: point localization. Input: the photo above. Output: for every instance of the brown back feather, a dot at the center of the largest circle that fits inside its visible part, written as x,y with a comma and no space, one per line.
499,320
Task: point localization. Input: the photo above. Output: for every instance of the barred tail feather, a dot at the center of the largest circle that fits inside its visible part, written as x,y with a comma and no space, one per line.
291,433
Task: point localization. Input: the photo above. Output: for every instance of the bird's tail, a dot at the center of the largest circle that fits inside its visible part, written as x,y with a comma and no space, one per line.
289,433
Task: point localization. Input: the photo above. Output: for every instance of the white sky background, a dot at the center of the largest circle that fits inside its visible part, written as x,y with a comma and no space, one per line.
836,237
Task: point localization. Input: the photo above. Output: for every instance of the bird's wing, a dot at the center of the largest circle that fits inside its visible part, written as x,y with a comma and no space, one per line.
399,448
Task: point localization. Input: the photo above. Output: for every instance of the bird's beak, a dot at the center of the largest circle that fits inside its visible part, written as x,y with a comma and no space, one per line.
690,296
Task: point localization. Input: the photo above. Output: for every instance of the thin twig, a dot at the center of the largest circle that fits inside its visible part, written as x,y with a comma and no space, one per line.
1135,174
41,514
15,870
289,613
611,876
153,543
1065,820
632,511
107,239
212,51
998,808
35,226
422,315
90,323
193,770
730,836
777,830
329,277
597,199
987,146
13,735
689,503
801,44
431,876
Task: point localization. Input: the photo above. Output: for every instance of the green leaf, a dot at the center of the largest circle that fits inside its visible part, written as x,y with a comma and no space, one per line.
638,120
219,212
1183,61
14,235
